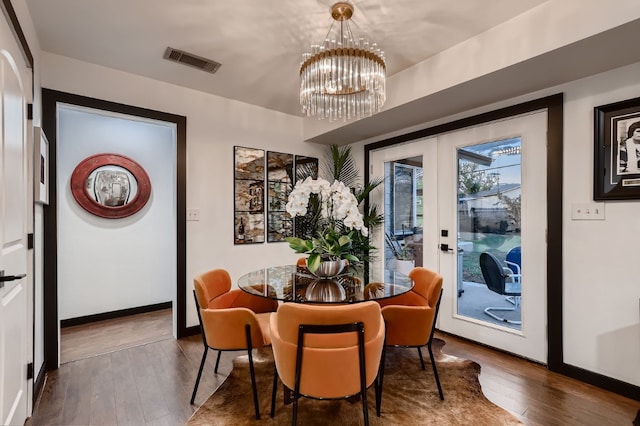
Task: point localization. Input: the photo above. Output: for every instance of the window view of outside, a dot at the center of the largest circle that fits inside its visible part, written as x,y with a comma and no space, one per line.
404,213
489,223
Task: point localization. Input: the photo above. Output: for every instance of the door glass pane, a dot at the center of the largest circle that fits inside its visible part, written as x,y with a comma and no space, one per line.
403,224
489,272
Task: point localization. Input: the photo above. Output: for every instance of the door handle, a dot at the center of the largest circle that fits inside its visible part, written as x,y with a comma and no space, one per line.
5,278
445,248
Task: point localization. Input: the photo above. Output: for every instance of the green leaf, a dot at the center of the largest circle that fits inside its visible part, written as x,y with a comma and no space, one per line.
351,258
313,262
344,240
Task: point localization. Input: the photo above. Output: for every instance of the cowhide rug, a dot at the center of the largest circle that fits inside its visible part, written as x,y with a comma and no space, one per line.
410,396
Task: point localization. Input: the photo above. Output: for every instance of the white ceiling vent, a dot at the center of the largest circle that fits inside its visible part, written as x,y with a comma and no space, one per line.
191,60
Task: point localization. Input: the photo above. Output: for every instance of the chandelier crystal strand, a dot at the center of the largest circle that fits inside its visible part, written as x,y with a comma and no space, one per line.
344,77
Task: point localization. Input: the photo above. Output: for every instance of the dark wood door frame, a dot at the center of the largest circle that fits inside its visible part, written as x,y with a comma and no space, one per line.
554,105
50,100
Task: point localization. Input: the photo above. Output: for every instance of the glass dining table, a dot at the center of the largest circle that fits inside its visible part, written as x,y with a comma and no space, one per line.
292,283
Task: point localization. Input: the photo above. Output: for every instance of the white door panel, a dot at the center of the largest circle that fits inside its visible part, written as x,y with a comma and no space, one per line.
530,341
13,251
427,150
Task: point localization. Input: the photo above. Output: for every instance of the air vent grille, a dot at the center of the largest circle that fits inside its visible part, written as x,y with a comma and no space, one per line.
191,60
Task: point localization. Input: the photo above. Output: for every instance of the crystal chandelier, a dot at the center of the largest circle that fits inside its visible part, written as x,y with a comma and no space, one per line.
342,78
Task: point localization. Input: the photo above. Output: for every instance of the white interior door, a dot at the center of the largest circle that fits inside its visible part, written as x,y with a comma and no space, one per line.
491,149
13,251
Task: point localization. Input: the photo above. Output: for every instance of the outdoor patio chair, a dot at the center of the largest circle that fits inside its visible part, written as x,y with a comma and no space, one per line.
501,280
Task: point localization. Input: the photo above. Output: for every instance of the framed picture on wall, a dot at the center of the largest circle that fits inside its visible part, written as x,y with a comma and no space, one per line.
617,151
249,212
41,167
279,181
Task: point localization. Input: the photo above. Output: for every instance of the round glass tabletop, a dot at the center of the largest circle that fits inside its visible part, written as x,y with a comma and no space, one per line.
291,283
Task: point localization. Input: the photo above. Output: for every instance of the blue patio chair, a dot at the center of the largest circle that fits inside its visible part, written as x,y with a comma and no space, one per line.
501,280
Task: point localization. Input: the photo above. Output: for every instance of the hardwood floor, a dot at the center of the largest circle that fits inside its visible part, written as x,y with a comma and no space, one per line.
152,384
100,337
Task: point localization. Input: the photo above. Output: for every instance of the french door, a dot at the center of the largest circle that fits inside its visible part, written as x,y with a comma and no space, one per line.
482,197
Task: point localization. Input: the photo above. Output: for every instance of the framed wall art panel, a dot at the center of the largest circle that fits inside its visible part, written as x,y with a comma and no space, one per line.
617,151
279,181
249,212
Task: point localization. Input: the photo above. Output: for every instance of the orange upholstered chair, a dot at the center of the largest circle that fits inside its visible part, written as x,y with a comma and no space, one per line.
327,351
410,318
230,320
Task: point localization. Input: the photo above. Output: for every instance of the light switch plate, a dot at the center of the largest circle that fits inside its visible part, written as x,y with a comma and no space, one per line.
193,214
587,211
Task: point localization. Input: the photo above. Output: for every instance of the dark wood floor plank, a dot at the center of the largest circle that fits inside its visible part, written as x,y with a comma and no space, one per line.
77,401
149,391
128,405
103,403
174,390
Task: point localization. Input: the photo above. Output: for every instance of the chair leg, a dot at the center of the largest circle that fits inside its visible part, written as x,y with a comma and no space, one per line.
380,380
363,375
435,371
273,391
215,370
421,360
195,388
253,373
489,312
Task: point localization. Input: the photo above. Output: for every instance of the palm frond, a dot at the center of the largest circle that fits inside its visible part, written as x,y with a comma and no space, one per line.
340,165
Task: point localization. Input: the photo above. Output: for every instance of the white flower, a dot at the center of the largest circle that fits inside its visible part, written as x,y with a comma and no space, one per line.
337,202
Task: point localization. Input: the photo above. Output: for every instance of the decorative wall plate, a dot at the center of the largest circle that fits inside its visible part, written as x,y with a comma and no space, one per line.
110,185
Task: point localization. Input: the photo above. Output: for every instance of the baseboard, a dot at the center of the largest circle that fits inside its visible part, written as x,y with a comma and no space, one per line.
613,385
38,383
191,331
114,314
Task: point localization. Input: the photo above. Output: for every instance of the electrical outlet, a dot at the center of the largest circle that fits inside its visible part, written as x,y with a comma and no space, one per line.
193,214
590,211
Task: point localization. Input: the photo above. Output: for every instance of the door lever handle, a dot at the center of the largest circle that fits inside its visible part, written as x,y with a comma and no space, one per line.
5,278
445,248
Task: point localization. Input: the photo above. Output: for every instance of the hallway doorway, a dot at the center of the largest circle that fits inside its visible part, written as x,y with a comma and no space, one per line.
72,262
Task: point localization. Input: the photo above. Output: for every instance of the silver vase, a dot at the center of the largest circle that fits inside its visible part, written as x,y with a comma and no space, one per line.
329,268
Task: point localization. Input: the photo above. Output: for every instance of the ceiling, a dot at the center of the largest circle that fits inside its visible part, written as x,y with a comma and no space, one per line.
259,43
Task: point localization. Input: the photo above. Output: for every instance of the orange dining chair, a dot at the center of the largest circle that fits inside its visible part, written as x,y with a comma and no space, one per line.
410,318
230,320
327,352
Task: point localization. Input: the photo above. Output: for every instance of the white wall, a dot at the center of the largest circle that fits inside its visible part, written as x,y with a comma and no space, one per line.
601,279
214,126
104,264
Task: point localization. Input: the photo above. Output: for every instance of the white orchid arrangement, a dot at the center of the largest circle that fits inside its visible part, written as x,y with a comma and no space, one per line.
339,221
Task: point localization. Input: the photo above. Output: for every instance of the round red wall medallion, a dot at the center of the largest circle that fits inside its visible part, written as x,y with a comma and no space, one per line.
110,185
